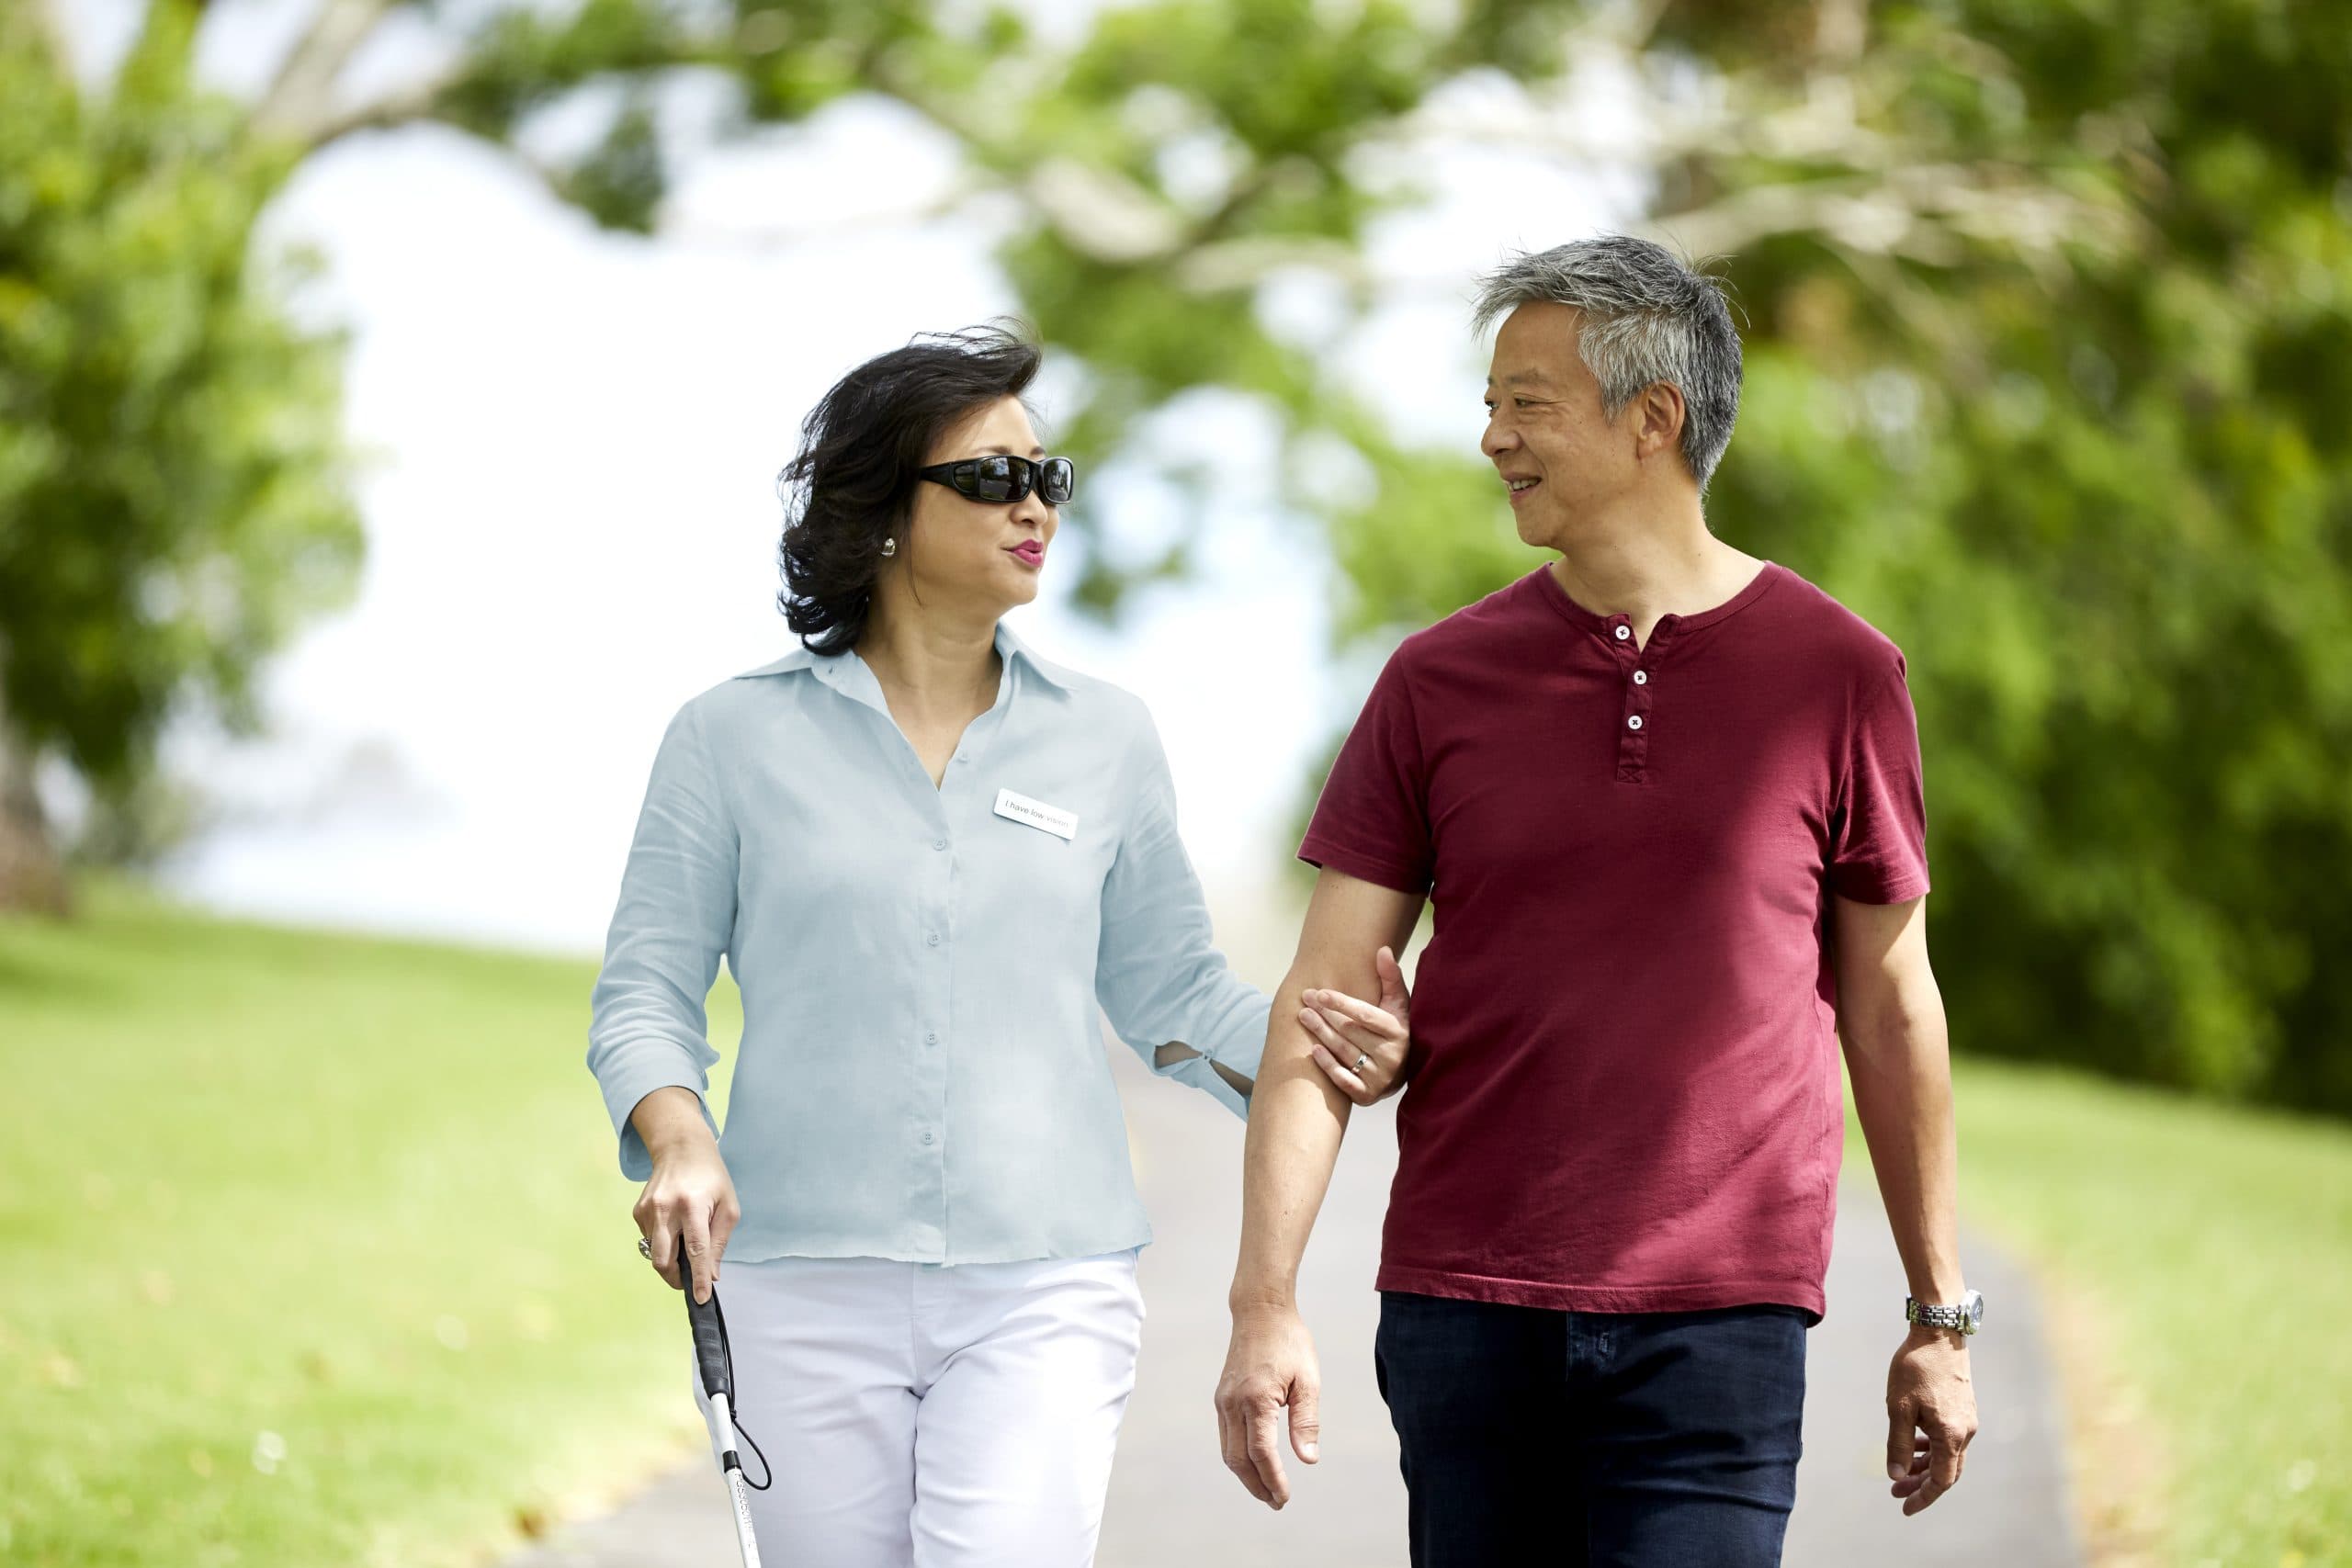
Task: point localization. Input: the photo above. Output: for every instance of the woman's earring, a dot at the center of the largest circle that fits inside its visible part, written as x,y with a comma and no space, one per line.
889,546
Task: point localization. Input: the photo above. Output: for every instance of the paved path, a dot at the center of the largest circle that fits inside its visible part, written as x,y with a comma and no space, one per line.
1172,1504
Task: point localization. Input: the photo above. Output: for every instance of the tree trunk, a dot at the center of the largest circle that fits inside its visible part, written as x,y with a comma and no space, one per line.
31,877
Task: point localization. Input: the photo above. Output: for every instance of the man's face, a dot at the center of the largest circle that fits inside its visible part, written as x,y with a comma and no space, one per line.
1545,431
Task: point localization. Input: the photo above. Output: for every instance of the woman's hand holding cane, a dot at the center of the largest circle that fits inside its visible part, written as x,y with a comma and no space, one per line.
688,1207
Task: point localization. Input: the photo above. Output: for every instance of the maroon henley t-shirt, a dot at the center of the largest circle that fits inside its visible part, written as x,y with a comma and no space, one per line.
1625,1095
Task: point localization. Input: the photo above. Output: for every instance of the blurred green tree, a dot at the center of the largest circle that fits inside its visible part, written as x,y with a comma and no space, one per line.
2047,310
2050,335
170,476
173,490
2047,313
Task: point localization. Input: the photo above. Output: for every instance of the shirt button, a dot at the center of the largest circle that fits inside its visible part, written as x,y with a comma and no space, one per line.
939,843
1624,632
1641,677
928,1135
1632,721
933,938
932,1038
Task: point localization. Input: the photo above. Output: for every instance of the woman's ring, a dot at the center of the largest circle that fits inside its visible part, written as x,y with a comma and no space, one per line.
645,1249
1362,1061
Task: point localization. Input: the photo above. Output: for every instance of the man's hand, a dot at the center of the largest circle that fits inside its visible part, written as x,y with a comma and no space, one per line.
1930,1414
1270,1364
1343,1028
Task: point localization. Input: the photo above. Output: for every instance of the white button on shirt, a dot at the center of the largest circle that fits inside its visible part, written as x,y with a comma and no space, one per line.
789,826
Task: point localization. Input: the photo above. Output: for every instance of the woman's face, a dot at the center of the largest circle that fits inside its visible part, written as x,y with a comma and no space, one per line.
988,554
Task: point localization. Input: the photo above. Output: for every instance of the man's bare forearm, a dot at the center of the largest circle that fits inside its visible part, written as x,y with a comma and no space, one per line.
1298,1117
1901,1064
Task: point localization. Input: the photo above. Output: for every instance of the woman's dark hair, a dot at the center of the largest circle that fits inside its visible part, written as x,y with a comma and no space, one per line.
853,482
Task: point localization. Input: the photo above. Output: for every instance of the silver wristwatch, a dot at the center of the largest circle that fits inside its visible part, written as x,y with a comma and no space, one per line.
1967,1315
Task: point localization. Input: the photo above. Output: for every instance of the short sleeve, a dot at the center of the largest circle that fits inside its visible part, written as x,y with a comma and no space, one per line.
1372,819
1879,826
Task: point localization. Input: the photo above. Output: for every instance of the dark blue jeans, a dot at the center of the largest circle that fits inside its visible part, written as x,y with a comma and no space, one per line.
1557,1440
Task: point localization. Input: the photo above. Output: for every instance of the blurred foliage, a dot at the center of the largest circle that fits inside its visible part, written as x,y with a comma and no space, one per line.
2048,310
2069,424
2047,316
171,498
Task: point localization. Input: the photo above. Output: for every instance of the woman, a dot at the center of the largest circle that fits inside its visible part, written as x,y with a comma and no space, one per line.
927,854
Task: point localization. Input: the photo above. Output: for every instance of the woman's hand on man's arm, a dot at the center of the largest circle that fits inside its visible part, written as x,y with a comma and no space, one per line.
1343,1028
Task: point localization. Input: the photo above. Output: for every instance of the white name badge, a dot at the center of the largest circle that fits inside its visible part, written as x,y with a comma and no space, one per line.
1037,814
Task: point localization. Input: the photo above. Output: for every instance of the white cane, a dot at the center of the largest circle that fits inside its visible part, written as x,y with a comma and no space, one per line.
716,1364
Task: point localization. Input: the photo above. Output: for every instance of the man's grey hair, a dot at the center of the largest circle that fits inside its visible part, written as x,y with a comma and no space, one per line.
1646,317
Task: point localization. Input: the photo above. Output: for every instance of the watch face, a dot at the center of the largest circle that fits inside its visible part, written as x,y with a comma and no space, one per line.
1972,1306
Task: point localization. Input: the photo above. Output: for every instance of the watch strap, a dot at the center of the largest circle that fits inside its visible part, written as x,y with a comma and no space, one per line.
1934,1317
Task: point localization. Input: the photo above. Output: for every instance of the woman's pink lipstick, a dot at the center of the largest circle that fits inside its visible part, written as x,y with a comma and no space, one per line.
1029,552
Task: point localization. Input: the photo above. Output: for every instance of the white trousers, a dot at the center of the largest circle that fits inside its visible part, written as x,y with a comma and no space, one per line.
922,1415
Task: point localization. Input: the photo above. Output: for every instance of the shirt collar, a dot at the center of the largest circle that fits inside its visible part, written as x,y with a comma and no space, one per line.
1009,647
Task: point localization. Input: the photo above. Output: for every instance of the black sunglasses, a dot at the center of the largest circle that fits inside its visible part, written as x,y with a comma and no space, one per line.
1005,477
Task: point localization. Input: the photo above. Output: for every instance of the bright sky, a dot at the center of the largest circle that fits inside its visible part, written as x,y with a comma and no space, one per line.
572,525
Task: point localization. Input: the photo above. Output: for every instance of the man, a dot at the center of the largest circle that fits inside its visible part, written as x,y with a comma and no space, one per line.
1667,798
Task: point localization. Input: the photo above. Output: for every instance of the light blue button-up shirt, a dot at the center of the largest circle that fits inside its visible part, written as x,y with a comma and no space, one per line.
921,1074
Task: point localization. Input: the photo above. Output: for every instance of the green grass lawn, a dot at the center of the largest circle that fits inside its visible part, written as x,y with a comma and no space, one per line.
359,1195
2209,1250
